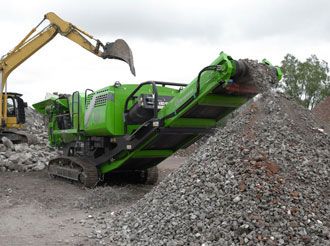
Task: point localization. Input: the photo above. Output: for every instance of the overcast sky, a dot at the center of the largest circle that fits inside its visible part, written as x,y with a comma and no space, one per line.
171,40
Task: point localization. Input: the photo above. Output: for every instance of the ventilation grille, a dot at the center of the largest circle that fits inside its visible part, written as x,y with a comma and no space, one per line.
101,98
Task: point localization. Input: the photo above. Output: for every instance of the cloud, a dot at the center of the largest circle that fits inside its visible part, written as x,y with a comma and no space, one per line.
155,20
294,19
206,20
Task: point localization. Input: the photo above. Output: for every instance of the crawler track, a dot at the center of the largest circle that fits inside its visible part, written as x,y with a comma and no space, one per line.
74,168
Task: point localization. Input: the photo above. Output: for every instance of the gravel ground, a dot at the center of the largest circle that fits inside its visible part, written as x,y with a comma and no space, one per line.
261,180
39,210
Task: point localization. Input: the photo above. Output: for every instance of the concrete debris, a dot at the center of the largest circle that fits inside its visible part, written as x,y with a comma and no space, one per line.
7,143
27,157
261,180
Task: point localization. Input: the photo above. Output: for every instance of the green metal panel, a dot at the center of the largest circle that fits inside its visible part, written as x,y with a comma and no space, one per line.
189,122
99,112
66,136
42,106
222,101
152,153
107,167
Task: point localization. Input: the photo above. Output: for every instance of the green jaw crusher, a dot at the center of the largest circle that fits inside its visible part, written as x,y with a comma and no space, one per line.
131,128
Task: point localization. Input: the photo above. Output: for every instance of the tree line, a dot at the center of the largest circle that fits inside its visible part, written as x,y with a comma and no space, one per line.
307,81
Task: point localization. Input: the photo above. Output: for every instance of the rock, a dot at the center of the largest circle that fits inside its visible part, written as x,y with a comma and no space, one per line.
21,147
8,153
237,199
9,144
40,166
15,158
25,157
3,148
12,166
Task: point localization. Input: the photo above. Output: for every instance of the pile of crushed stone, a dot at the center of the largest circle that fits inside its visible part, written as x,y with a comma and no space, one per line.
26,157
261,180
322,112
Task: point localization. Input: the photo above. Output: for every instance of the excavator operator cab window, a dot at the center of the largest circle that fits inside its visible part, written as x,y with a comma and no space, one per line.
16,108
11,107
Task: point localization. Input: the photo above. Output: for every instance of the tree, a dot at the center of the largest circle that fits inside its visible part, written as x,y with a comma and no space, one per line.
307,82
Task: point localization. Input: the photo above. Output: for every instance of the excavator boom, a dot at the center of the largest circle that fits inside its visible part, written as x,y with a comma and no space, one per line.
33,41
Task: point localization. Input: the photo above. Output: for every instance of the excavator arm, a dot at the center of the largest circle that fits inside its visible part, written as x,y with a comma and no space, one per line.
32,43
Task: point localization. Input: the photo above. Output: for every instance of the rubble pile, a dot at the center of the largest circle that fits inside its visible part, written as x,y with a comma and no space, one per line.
35,123
27,157
261,180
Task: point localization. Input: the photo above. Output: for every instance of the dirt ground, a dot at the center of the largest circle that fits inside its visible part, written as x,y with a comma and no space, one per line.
38,210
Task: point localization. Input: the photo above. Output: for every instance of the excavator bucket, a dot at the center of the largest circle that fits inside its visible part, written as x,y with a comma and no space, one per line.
121,51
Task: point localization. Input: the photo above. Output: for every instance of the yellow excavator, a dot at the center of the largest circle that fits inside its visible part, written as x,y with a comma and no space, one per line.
12,113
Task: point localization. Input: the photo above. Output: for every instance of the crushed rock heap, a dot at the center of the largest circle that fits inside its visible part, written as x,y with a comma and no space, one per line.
322,112
23,157
261,180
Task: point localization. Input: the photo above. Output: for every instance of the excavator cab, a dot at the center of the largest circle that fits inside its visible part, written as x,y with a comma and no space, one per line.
11,127
15,110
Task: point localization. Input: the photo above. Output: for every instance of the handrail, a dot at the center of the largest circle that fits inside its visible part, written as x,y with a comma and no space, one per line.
208,68
86,95
146,83
78,113
155,94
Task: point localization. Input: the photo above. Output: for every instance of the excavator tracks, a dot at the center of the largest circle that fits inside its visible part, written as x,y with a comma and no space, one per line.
74,168
18,137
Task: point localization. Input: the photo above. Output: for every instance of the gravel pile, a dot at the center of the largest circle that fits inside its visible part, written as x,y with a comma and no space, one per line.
192,148
27,157
261,180
322,112
35,123
259,75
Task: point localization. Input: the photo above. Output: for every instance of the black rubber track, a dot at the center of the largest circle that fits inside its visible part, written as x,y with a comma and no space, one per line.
89,176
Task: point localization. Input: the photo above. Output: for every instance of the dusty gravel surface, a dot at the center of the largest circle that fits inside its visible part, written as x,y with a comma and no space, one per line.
38,210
